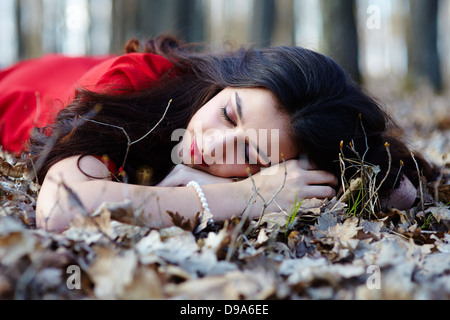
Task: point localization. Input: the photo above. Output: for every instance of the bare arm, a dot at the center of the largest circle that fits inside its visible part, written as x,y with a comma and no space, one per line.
67,192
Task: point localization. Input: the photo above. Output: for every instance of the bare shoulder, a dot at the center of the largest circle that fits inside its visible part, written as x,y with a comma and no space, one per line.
77,169
53,209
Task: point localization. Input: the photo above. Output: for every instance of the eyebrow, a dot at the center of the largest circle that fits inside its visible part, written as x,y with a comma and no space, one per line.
239,106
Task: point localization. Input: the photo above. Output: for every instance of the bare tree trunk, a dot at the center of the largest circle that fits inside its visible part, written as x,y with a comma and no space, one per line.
149,18
423,56
29,27
191,20
100,15
263,22
156,17
124,22
340,34
284,29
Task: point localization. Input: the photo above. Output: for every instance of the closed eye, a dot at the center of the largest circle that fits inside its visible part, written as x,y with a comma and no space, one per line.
226,117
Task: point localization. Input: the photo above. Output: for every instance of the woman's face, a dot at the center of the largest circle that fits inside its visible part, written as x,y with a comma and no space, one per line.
236,130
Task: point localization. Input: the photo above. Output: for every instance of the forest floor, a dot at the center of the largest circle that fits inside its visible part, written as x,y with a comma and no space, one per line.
321,250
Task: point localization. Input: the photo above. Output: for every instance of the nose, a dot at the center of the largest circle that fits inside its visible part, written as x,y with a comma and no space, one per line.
224,147
212,143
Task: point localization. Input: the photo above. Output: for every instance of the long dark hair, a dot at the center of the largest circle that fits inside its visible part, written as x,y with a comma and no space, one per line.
327,110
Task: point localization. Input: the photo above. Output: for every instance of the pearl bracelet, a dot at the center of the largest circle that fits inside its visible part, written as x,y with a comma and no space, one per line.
206,217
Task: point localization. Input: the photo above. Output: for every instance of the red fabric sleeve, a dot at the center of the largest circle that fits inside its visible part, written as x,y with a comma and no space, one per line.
32,92
130,72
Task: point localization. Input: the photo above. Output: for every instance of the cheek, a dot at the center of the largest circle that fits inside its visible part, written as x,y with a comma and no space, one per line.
206,115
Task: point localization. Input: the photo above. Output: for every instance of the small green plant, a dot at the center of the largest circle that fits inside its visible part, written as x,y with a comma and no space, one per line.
431,216
361,192
354,204
363,182
293,214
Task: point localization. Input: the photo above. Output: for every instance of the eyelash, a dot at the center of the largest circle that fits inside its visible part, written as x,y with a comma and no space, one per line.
226,117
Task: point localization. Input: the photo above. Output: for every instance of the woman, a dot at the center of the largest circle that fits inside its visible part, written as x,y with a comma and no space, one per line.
249,112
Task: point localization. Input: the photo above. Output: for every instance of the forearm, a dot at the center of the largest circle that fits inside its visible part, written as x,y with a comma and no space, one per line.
150,203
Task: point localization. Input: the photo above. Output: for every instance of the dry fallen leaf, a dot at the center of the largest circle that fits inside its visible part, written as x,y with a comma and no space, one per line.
11,171
345,232
235,285
323,254
112,272
181,222
15,242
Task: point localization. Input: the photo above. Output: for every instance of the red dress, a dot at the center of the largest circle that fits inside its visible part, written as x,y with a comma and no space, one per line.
32,92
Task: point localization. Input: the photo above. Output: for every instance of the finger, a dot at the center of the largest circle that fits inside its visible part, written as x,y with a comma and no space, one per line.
322,177
319,192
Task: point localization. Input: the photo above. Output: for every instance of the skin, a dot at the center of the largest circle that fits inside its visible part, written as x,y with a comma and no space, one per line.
246,110
251,118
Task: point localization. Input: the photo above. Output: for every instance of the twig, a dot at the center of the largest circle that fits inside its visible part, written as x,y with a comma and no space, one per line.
280,188
34,169
402,164
272,199
129,142
439,179
237,231
156,125
75,201
365,137
420,182
375,193
342,166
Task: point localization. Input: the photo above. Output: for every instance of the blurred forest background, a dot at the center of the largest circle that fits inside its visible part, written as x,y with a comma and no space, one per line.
399,50
372,39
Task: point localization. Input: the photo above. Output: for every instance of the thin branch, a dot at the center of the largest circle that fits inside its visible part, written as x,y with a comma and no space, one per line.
439,179
375,193
156,125
129,142
34,169
237,231
420,182
365,137
266,204
342,166
402,164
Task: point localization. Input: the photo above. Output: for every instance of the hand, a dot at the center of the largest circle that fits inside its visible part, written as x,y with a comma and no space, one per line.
299,179
181,175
